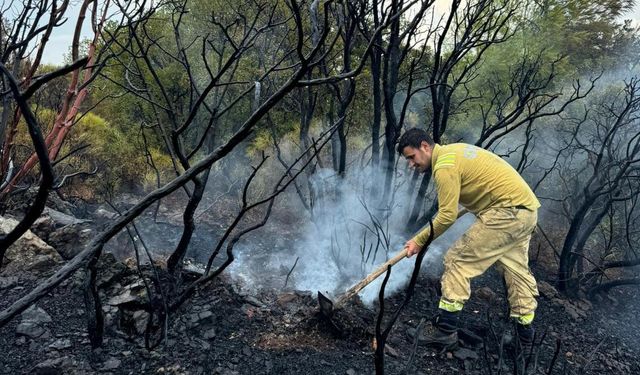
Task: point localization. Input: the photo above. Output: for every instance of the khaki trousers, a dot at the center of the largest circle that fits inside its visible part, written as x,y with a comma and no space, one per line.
501,236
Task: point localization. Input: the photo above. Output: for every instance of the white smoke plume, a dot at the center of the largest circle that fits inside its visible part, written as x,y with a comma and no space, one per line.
338,247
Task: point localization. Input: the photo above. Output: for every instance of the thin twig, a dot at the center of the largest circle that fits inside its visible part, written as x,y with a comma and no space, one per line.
590,358
286,281
555,356
414,347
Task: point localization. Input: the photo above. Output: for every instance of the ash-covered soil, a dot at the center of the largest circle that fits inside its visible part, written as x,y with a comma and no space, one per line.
223,332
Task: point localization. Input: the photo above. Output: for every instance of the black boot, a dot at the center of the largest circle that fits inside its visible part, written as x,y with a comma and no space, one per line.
443,331
526,334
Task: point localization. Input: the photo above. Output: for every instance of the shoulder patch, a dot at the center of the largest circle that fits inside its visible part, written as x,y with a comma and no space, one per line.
470,152
447,160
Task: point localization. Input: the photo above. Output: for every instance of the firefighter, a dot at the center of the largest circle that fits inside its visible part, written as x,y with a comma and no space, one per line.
506,211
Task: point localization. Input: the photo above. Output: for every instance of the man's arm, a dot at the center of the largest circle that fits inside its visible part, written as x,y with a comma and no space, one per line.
447,181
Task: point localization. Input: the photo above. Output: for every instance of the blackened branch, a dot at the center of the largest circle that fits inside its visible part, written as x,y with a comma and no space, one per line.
381,336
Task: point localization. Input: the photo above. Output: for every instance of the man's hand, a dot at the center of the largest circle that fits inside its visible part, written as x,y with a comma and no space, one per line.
412,248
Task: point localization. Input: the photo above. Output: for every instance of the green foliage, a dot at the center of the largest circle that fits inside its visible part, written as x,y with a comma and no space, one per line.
117,156
588,32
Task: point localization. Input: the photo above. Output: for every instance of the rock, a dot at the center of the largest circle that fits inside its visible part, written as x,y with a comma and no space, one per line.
134,292
584,305
130,263
485,293
246,351
43,226
140,319
111,364
54,366
254,301
42,263
70,239
190,266
61,219
391,351
32,323
109,320
111,270
8,282
204,315
31,330
571,309
351,372
103,213
60,344
193,318
36,315
286,298
210,334
204,345
34,346
464,354
547,290
28,253
197,318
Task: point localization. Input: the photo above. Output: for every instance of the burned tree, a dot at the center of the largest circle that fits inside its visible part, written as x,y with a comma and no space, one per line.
186,134
509,103
28,28
400,44
601,165
34,24
473,28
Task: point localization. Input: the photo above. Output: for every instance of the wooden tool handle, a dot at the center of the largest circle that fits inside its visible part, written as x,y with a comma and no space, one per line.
372,276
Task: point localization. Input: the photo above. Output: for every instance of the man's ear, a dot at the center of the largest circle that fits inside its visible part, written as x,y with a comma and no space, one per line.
425,145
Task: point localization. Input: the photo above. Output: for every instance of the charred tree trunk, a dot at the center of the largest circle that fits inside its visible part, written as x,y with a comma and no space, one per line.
46,182
415,221
376,66
93,306
199,185
390,84
342,137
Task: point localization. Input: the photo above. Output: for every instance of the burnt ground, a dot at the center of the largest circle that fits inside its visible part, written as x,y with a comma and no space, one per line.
221,331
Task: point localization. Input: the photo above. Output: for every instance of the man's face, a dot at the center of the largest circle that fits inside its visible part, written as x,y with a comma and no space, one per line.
419,158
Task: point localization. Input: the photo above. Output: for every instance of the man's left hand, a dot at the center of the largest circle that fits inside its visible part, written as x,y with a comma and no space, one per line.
412,248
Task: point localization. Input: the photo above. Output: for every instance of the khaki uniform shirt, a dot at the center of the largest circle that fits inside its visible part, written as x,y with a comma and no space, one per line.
476,179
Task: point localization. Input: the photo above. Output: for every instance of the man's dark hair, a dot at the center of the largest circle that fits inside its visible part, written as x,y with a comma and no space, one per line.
413,138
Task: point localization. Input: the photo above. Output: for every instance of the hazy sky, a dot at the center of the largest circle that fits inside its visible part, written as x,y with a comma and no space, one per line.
60,40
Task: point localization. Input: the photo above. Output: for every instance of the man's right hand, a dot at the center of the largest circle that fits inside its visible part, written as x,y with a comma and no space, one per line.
412,248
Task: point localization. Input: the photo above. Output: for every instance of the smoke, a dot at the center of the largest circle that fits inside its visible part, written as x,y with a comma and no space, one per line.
349,235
